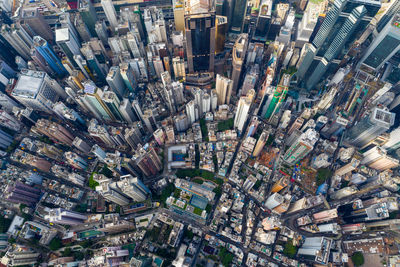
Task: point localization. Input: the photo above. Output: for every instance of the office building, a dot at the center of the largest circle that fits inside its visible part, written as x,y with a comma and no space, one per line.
18,38
22,194
115,81
370,127
128,76
387,17
276,97
273,201
111,14
109,192
237,19
54,131
263,21
220,33
75,160
34,24
81,145
384,46
147,161
42,47
316,249
35,89
88,15
343,24
238,56
112,102
260,144
223,89
200,41
301,147
69,43
280,184
179,15
66,217
377,158
309,20
242,112
92,100
126,111
133,188
20,255
296,125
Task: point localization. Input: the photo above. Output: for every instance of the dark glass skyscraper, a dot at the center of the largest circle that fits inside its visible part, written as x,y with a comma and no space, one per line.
200,41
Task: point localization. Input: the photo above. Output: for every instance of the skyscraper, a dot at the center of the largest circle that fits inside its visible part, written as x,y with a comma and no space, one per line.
200,40
33,22
223,88
337,44
115,81
239,11
35,89
385,45
370,127
18,38
238,56
69,43
110,12
66,217
52,60
275,99
263,21
343,24
261,143
242,112
301,147
88,15
133,188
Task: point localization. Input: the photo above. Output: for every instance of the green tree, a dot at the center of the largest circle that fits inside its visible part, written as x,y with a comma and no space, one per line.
55,244
225,256
358,258
67,252
290,250
92,182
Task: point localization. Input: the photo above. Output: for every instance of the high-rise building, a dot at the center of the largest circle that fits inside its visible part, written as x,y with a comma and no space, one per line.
54,131
128,76
179,15
62,216
69,43
98,152
127,111
278,95
190,112
112,102
52,60
237,19
133,188
110,12
242,111
343,24
387,17
273,201
301,147
147,161
280,184
92,100
9,121
33,22
370,127
220,33
238,56
316,249
178,65
262,140
35,89
75,160
377,158
88,14
115,81
110,193
223,89
81,145
18,38
200,41
337,44
385,45
263,21
22,194
20,255
309,20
